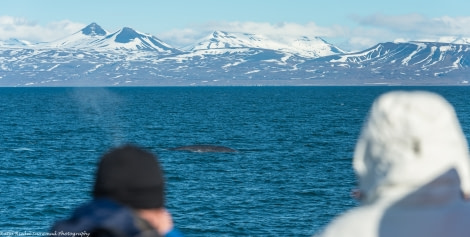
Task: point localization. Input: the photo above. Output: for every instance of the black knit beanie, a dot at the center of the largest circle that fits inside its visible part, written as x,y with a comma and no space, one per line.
131,176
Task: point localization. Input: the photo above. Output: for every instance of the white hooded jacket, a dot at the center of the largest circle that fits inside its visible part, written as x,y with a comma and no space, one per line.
413,168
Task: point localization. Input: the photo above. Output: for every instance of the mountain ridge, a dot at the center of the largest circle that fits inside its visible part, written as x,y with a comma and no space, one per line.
95,37
303,46
126,57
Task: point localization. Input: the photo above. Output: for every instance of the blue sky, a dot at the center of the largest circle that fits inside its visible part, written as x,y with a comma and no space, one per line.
351,25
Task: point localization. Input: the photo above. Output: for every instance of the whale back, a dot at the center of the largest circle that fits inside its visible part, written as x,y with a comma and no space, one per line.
204,148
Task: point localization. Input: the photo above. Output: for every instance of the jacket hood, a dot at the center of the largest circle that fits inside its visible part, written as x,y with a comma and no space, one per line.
409,139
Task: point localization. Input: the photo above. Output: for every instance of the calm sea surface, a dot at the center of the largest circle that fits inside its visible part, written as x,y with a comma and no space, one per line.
291,176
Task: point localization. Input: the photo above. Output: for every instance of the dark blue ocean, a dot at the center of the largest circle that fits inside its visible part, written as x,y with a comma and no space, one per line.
291,176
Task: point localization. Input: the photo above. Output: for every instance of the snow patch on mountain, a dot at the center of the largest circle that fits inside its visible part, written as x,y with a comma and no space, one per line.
421,46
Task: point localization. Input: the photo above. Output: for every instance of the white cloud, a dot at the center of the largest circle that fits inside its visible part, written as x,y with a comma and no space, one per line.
291,30
181,37
417,26
377,28
21,28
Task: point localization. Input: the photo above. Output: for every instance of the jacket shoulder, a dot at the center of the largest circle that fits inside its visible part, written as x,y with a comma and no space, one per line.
360,221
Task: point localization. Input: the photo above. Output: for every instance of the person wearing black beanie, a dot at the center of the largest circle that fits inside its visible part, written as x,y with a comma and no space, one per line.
128,198
132,177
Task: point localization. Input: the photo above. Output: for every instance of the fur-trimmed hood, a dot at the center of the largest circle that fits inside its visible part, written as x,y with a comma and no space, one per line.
409,139
413,166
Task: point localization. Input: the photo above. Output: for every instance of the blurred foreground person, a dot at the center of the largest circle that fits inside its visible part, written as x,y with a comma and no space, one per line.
414,172
128,199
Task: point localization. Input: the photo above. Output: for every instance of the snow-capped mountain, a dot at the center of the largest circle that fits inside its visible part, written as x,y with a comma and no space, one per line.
128,38
402,63
85,38
95,37
316,47
93,29
95,57
424,55
304,46
225,40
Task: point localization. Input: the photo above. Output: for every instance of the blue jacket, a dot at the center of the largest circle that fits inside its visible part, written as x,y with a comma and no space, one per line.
103,217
